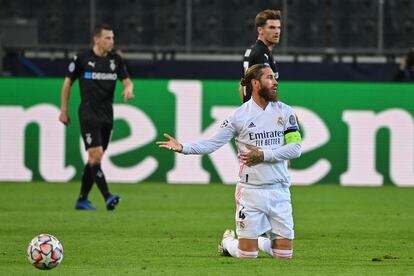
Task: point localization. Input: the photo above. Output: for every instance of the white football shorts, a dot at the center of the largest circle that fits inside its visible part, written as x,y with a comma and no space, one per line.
264,211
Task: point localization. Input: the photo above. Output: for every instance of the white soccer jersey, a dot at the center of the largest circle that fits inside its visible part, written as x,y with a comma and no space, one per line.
251,125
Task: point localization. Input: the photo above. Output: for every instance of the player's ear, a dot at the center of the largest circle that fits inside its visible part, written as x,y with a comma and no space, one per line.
255,82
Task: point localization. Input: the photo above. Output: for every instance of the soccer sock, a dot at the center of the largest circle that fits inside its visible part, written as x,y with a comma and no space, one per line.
265,245
282,254
100,180
248,254
232,246
87,182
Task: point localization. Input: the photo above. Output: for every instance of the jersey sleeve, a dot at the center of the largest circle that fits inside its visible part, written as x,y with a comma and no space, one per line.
74,68
291,121
122,71
289,150
224,135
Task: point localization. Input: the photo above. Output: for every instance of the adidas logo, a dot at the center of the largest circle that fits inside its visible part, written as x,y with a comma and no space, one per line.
252,125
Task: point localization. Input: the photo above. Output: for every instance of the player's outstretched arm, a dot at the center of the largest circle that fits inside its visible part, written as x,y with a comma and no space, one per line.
171,144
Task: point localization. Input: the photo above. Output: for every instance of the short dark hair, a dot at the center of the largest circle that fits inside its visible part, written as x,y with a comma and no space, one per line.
265,15
97,31
254,72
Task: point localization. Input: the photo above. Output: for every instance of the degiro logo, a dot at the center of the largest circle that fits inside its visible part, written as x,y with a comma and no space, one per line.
100,76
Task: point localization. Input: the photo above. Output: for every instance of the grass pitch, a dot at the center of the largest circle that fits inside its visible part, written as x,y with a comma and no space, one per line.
161,229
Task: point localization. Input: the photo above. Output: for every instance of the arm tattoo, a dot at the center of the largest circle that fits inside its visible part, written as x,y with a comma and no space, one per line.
255,156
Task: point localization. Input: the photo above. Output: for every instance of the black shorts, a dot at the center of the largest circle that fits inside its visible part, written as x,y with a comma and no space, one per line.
95,134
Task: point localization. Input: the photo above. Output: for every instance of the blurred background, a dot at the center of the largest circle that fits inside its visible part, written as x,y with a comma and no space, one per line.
356,40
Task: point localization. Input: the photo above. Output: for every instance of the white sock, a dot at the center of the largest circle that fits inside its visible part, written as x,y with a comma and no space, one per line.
282,254
265,245
232,246
248,254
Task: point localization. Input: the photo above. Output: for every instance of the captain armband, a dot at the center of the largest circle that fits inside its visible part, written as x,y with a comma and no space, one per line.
293,137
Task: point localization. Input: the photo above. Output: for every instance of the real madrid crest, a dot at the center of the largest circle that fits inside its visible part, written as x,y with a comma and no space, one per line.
280,121
112,64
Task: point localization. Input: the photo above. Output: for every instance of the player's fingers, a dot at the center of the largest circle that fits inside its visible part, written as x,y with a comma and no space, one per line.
163,146
243,156
65,122
166,135
162,143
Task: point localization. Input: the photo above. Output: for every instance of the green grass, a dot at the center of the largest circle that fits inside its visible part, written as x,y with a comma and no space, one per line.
161,229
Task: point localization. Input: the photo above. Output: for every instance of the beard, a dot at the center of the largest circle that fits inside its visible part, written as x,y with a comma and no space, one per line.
268,94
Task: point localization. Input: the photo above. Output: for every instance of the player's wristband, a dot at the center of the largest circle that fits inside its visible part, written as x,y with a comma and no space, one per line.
293,137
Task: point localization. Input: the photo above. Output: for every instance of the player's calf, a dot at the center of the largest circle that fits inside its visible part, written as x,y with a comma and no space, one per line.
282,248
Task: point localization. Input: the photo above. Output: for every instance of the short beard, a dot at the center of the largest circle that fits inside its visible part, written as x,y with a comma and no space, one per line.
267,95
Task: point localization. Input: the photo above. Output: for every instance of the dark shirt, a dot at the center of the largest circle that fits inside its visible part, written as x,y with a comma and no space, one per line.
258,53
97,79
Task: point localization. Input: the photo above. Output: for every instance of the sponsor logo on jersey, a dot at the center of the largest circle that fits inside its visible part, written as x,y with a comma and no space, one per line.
251,125
266,138
91,64
100,76
265,134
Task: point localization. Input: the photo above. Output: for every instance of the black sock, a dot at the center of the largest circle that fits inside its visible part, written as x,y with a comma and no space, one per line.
100,180
87,182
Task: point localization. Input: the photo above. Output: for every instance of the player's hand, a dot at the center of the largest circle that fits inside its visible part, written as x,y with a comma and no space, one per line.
251,157
171,144
128,95
64,118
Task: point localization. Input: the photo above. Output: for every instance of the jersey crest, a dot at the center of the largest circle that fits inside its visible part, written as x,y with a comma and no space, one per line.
112,64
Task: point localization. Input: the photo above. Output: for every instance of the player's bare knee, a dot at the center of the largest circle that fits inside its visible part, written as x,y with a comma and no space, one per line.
95,155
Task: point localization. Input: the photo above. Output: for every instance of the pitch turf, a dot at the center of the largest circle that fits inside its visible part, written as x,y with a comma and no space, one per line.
161,229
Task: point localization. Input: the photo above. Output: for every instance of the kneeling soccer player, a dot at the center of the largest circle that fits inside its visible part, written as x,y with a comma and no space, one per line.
267,136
